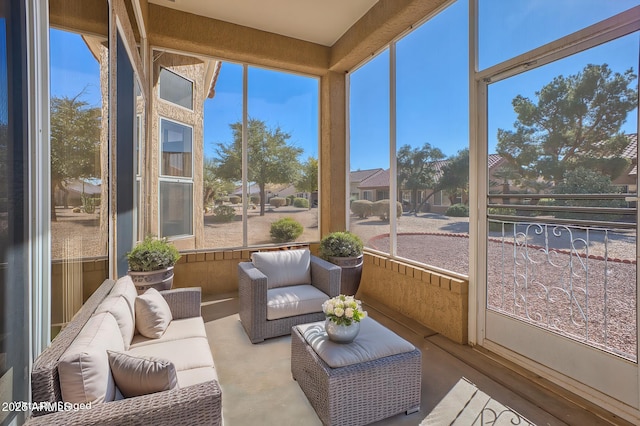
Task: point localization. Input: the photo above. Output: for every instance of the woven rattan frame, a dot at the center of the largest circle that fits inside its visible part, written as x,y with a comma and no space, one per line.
357,394
199,404
252,293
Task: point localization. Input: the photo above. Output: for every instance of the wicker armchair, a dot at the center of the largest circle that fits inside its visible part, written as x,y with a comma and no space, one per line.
257,295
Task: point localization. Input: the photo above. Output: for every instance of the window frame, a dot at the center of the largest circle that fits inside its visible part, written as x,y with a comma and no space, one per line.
182,77
174,179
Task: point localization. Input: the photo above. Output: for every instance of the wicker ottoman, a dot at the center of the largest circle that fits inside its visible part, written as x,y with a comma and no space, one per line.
376,376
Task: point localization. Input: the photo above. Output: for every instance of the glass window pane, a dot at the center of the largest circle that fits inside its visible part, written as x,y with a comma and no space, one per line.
177,158
176,89
15,336
176,209
510,28
369,152
433,140
221,188
282,155
79,138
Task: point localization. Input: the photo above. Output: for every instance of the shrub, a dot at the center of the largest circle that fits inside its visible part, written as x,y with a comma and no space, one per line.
285,230
381,209
362,208
301,202
587,181
457,210
255,199
152,254
497,226
234,199
340,244
224,213
290,199
277,202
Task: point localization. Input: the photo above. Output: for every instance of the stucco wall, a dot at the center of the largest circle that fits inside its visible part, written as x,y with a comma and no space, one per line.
434,300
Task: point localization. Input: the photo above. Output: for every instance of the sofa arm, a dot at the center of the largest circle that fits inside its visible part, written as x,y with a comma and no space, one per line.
199,404
184,302
325,276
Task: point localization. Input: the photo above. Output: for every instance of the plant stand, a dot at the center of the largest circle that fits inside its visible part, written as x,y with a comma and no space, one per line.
351,273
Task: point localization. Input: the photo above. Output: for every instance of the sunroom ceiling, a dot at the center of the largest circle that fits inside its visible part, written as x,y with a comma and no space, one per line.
317,21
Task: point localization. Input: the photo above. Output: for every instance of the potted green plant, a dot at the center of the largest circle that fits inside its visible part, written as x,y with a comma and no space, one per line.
344,249
151,263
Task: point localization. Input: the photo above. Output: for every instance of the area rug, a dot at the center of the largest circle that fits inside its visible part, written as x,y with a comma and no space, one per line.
466,405
256,382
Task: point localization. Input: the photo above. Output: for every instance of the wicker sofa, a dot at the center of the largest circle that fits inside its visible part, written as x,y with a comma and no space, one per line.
280,289
194,396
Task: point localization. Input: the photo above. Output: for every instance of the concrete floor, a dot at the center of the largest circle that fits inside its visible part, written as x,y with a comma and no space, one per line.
257,387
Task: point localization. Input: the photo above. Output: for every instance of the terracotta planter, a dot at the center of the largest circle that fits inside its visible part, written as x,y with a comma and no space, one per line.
351,273
162,279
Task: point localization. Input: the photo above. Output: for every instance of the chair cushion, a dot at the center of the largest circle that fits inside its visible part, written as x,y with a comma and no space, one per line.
136,376
153,314
284,268
84,370
283,302
125,287
119,308
194,376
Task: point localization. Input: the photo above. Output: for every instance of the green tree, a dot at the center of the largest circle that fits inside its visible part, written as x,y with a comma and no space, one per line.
75,142
574,122
271,159
415,169
455,177
308,178
212,186
586,181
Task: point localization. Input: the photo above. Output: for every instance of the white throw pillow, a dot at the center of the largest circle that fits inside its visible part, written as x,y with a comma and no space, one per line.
119,308
283,268
136,376
153,314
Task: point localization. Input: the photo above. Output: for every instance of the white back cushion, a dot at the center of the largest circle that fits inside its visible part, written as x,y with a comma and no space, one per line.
283,268
125,287
84,370
119,308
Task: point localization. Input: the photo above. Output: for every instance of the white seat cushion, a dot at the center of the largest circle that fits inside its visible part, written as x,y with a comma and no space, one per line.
194,376
84,370
285,267
185,354
283,302
119,308
177,329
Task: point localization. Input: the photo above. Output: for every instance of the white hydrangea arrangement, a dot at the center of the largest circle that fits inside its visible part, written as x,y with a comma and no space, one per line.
344,310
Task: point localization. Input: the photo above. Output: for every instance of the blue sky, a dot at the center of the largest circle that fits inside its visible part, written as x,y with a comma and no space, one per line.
432,79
